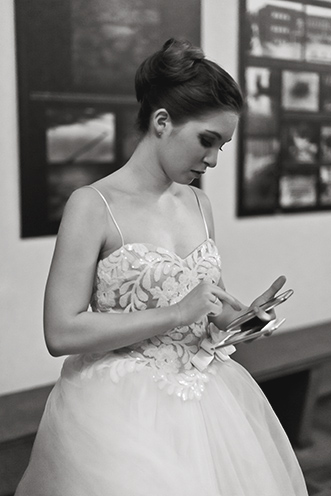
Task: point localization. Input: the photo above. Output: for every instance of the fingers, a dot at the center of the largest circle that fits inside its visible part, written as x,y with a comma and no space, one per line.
270,292
223,296
275,287
261,314
277,284
215,308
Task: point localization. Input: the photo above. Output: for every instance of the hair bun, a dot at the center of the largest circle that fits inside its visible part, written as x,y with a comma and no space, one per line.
174,64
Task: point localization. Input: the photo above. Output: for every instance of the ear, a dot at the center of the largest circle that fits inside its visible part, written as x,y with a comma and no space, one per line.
161,121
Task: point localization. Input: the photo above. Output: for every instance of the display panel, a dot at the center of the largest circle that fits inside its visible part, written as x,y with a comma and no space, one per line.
284,155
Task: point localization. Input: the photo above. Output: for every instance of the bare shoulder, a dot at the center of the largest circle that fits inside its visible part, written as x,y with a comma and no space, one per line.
84,205
83,221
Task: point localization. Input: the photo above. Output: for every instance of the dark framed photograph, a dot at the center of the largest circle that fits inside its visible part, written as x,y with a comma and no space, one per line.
260,174
300,91
80,148
260,100
300,142
325,184
297,191
72,143
326,92
275,29
326,144
76,62
284,132
318,29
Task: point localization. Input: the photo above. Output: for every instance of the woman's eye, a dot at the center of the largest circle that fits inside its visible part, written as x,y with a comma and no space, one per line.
205,142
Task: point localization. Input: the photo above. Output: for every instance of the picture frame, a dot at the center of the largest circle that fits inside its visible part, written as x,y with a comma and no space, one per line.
76,62
284,155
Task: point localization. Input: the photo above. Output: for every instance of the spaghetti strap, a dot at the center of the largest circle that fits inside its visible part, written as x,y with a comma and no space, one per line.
201,211
110,212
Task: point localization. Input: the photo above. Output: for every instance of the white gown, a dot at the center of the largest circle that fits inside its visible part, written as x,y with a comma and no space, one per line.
142,421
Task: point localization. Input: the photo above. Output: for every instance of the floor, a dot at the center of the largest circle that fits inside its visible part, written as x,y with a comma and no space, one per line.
315,460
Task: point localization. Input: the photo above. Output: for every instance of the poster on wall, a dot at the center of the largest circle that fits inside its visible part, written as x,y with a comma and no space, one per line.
284,157
76,61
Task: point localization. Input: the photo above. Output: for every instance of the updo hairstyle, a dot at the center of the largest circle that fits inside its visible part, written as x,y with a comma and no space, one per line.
180,79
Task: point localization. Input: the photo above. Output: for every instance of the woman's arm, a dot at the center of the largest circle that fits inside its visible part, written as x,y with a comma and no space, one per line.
69,327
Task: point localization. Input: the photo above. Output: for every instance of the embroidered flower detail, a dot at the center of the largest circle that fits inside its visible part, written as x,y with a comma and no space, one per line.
166,358
136,277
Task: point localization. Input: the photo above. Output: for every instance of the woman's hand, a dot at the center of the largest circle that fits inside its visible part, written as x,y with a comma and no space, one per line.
205,299
228,313
264,297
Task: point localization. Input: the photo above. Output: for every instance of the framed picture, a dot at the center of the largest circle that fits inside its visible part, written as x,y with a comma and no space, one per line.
300,91
325,182
76,61
259,181
260,100
298,191
326,92
300,142
284,154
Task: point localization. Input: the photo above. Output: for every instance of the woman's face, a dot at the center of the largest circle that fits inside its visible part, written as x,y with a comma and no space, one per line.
187,150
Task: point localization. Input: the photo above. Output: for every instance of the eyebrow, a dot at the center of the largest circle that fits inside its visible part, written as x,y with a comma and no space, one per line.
219,136
215,133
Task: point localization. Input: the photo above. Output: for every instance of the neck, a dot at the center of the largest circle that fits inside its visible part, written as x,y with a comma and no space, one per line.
144,170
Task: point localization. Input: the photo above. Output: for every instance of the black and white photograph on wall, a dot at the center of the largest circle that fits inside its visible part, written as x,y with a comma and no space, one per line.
260,101
300,142
260,176
298,191
76,57
80,149
104,35
300,91
325,179
326,92
285,72
318,34
275,29
326,144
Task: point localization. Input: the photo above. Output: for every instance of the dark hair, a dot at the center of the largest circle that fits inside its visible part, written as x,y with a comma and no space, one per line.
180,79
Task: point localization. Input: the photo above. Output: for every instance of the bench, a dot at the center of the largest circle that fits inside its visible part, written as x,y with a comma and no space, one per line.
288,367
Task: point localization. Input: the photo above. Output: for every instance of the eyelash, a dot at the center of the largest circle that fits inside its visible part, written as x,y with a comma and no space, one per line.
207,144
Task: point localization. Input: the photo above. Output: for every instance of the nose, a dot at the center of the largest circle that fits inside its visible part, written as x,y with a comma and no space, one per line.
211,159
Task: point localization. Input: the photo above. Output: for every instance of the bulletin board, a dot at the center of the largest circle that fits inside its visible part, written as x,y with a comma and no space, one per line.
76,62
284,161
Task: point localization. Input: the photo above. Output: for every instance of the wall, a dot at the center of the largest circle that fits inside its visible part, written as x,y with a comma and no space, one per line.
24,361
254,251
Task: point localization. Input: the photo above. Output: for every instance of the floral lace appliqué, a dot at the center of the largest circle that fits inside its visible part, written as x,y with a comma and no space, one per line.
137,277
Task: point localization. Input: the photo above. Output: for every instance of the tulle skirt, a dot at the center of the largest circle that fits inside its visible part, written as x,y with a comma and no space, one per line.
101,438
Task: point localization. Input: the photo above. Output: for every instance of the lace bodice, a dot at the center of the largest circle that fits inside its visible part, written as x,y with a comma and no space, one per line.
139,276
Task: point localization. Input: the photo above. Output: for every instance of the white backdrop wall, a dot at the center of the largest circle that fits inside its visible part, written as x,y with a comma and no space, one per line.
254,250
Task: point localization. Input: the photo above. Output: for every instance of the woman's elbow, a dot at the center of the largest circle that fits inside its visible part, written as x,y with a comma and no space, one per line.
55,341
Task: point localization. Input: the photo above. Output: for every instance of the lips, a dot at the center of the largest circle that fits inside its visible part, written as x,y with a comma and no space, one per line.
198,172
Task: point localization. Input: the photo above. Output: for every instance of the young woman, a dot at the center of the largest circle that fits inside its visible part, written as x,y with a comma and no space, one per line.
131,415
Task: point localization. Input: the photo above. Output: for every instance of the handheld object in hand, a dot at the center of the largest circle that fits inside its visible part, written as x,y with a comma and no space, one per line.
251,320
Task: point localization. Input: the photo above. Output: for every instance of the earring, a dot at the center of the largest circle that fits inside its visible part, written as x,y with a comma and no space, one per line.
159,134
